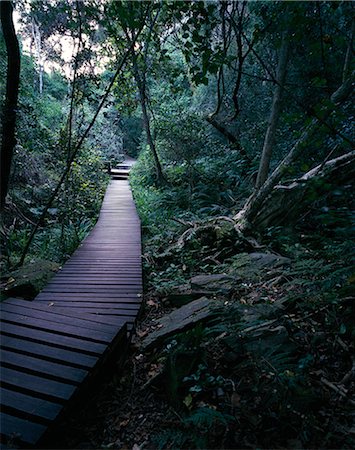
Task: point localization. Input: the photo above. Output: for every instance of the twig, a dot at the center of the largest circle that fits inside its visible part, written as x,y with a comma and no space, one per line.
349,375
338,389
183,222
342,344
257,327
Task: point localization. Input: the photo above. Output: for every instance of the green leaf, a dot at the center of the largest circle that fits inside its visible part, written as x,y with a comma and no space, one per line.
188,401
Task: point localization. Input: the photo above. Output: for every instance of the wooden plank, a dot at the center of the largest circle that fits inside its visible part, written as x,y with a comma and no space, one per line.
48,298
40,385
88,317
92,300
51,353
37,309
40,336
96,282
29,405
59,296
28,432
104,271
99,305
99,268
55,327
19,362
128,314
91,290
84,277
94,260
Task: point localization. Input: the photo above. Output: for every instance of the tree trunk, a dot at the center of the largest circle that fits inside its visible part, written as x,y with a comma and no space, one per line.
349,52
246,216
274,114
12,87
286,204
38,45
146,121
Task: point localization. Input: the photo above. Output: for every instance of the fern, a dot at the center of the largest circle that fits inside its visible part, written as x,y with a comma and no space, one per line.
280,358
170,438
205,417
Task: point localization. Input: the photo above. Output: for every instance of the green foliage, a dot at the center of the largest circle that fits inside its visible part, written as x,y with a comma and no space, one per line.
195,430
39,159
183,355
229,388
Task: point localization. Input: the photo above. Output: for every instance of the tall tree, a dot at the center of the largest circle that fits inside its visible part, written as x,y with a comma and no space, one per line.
12,88
141,84
129,17
274,113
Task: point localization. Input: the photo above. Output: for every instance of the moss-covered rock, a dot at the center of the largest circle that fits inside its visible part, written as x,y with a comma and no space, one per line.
251,266
28,280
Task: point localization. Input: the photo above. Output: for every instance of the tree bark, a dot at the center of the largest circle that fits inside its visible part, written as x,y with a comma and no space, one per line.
274,114
349,52
246,216
12,88
36,38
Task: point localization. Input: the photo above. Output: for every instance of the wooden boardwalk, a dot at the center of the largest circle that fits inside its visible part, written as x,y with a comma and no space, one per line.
52,347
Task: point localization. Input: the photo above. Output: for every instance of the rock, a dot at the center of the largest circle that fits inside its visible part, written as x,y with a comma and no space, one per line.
252,266
183,294
28,280
182,298
268,260
263,340
180,320
216,283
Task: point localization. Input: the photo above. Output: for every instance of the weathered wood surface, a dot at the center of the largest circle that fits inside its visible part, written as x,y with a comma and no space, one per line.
52,346
181,319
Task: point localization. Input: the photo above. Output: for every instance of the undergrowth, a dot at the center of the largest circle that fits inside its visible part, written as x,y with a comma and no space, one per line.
275,368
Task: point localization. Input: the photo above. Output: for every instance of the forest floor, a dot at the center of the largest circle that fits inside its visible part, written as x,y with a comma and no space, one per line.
275,370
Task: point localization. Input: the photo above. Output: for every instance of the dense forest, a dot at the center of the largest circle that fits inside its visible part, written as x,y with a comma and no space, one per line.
239,114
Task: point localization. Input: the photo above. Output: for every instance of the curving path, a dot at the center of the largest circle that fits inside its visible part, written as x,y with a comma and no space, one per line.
53,347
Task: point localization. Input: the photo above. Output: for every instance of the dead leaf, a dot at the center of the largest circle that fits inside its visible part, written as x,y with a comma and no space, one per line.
123,423
141,334
152,303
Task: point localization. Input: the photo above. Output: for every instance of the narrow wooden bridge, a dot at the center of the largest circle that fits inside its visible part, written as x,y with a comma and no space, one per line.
54,346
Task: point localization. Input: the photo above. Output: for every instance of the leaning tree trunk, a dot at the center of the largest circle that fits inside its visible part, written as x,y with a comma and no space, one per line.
246,217
286,203
274,114
12,87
